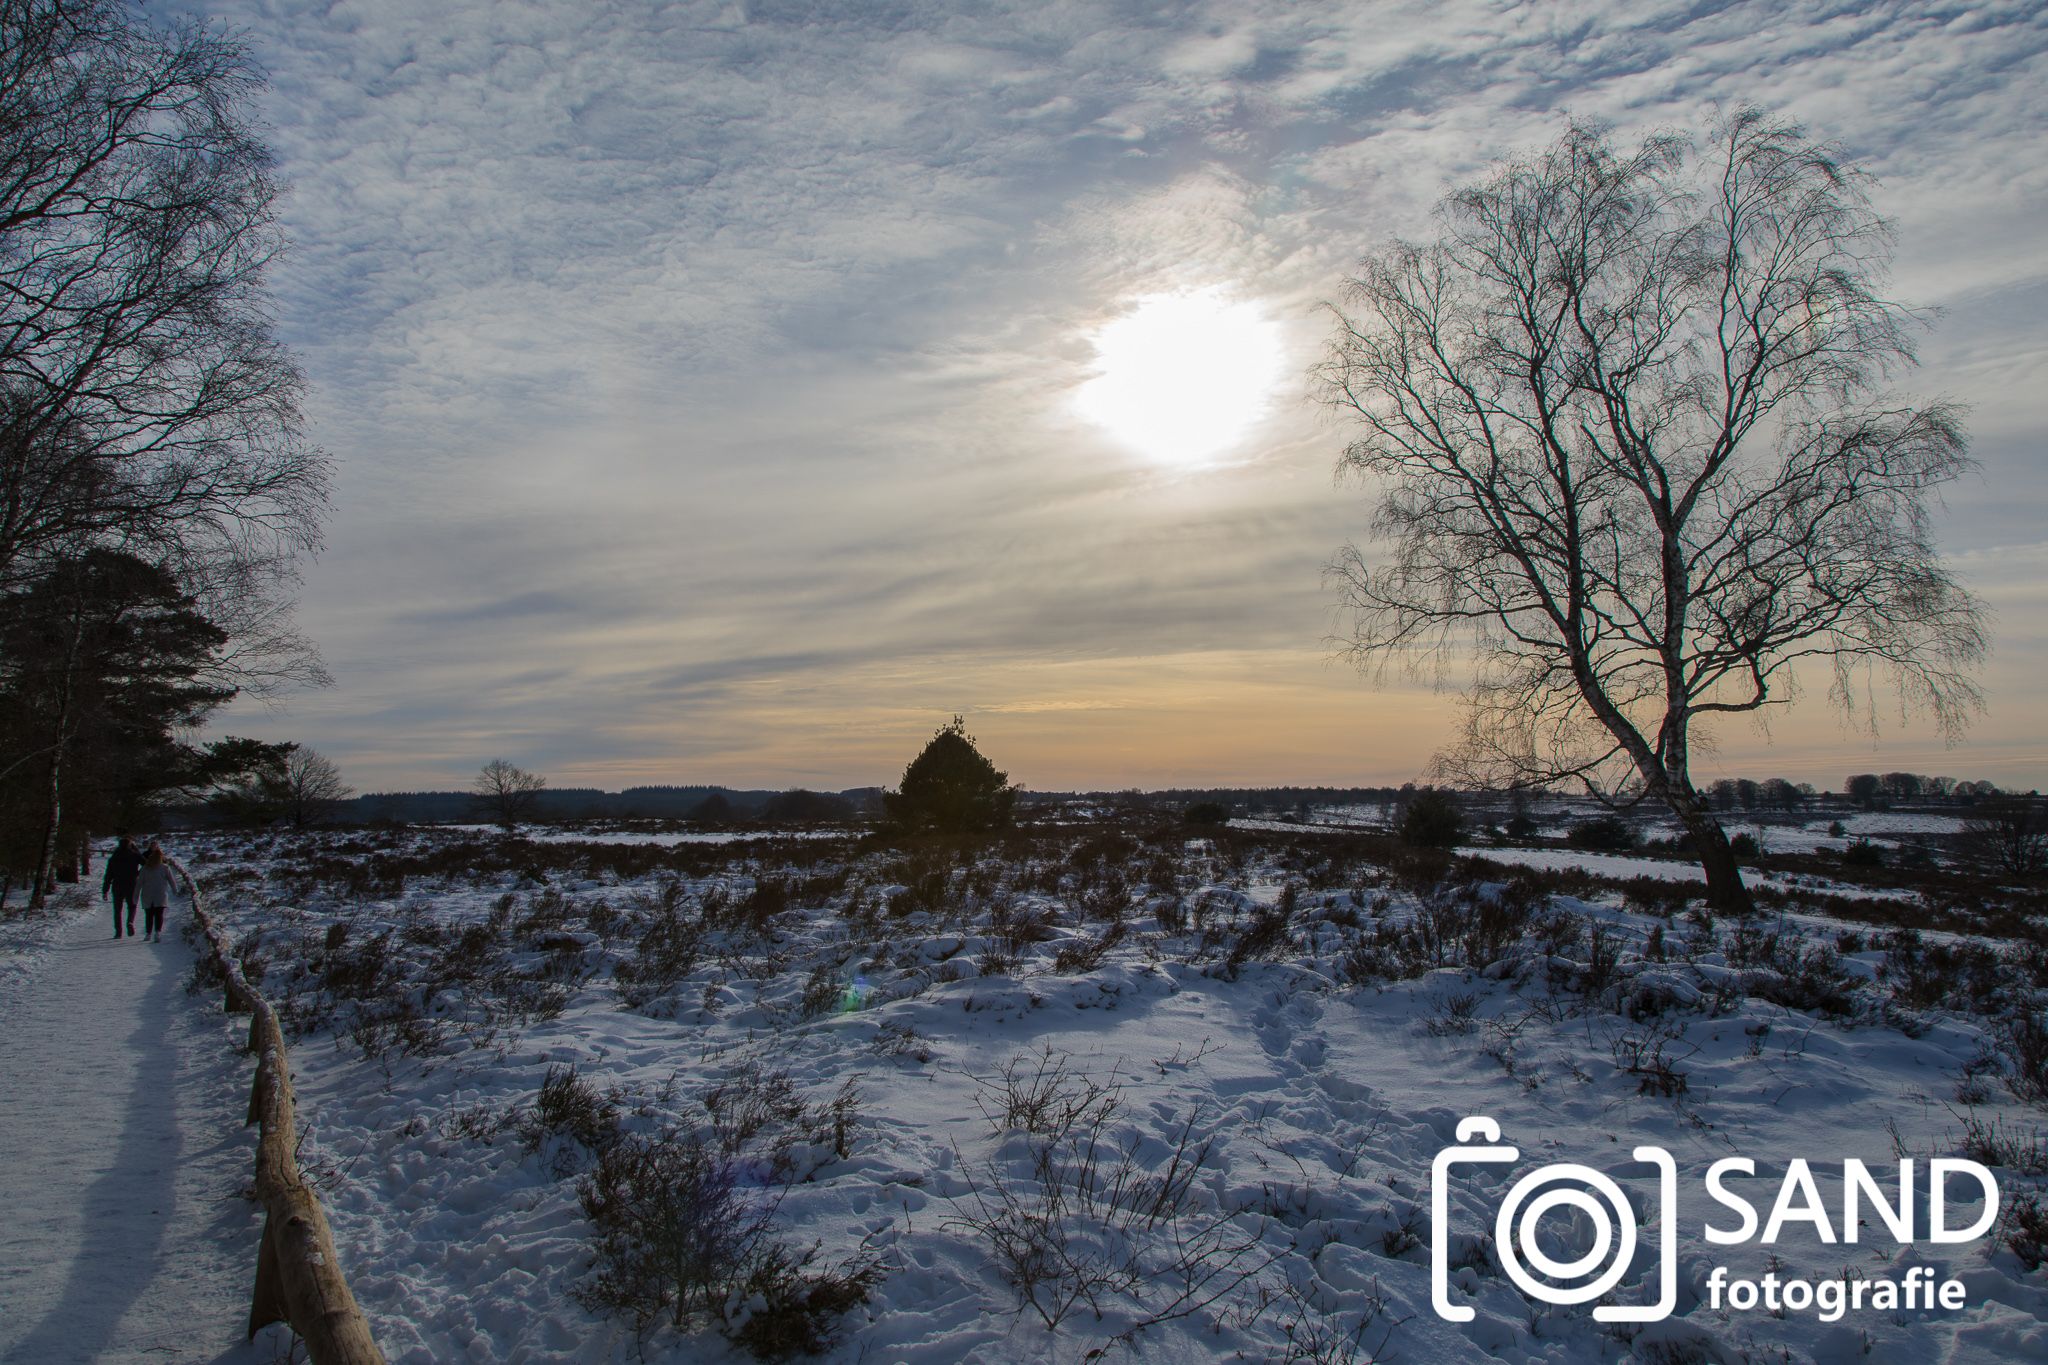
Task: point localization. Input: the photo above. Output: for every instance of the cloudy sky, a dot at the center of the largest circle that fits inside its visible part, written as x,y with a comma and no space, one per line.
715,393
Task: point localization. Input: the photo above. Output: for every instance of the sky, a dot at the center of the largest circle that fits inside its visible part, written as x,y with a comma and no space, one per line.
717,390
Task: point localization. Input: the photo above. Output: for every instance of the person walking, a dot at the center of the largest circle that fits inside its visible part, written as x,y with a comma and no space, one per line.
153,885
124,865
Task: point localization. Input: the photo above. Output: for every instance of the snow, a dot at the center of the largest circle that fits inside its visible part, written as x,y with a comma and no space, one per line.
1886,829
1317,1097
1666,870
122,1237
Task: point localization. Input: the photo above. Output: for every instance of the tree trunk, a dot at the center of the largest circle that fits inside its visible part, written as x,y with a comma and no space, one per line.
46,857
1725,890
45,880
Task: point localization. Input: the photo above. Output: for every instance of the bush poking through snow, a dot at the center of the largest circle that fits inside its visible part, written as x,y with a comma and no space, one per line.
2012,1149
1323,1327
1077,1212
1040,1094
762,1108
788,1309
1453,1015
570,1119
2025,1037
1644,1054
666,952
2024,1229
1265,934
1085,954
674,1234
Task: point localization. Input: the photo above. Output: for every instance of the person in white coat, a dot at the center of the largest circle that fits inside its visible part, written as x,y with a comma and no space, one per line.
153,889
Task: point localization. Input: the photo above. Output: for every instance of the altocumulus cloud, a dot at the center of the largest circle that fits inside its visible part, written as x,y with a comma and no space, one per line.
701,373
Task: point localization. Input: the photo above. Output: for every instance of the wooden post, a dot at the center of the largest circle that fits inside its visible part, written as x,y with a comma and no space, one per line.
298,1276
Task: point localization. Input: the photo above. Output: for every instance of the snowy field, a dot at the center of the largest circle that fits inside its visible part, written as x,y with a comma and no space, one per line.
1088,1094
1671,869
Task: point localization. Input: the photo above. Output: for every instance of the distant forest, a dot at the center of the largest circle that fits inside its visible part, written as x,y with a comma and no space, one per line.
714,806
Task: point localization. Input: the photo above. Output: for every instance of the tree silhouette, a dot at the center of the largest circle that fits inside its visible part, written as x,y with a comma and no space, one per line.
507,793
1639,464
104,658
950,788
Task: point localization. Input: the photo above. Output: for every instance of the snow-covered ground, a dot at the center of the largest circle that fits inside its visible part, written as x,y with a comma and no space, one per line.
1886,829
123,1236
1619,865
1272,1050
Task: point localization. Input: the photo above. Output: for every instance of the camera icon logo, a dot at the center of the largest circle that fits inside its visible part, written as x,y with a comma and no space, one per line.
1562,1185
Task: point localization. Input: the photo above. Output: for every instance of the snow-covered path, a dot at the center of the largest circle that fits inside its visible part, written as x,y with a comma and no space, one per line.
123,1236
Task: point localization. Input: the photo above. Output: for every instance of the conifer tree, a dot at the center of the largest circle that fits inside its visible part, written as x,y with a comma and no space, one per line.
951,788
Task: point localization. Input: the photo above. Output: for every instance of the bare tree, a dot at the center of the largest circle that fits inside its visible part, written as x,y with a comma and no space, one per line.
310,786
508,794
1629,423
144,398
2009,833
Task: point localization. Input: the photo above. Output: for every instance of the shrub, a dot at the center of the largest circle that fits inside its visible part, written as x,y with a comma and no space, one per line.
1602,833
1085,954
755,1103
1265,933
665,953
791,1310
2026,1230
1644,1054
2012,1149
1206,813
1811,980
672,1230
673,1234
1078,1212
2026,1047
2009,834
1923,975
570,1117
1863,853
1432,820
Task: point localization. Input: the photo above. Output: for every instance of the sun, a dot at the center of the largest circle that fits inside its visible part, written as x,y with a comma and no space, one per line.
1182,378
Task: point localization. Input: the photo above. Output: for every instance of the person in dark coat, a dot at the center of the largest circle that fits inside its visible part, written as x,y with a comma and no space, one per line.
124,865
153,884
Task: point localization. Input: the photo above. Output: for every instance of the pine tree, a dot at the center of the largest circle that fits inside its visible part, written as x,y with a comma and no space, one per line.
951,788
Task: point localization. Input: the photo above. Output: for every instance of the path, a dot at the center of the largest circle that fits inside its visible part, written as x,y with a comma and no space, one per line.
123,1236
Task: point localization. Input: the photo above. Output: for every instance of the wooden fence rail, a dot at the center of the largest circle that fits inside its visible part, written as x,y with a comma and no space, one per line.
298,1276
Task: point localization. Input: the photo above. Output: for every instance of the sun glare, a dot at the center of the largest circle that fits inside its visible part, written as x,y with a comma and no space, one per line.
1181,378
